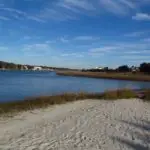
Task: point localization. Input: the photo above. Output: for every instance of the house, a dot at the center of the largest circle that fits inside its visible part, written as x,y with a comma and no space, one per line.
37,68
24,68
99,68
134,69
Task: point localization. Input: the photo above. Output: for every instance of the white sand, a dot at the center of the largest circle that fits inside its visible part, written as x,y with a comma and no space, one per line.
82,125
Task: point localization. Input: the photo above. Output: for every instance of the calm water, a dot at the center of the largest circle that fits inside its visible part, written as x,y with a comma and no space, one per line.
15,85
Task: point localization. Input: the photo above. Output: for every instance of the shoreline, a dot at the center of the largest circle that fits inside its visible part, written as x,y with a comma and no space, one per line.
46,101
110,76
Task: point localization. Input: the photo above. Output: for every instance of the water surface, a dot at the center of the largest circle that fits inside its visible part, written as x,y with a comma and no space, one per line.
17,85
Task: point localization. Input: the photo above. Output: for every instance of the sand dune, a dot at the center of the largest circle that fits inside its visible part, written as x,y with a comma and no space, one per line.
82,125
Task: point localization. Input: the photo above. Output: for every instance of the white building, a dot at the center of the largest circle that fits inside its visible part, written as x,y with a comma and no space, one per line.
37,68
25,67
99,68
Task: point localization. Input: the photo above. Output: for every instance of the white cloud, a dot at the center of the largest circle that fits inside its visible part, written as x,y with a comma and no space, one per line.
72,55
141,17
129,3
121,7
50,41
56,14
4,18
137,34
62,10
81,4
36,47
146,40
136,57
34,18
27,37
2,48
18,14
86,38
11,10
103,49
64,40
137,52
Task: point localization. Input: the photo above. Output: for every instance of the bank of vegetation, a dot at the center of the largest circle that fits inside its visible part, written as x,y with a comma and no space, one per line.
13,66
108,75
43,102
141,73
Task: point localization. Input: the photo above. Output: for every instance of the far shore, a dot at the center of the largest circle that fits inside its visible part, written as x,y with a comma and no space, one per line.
105,75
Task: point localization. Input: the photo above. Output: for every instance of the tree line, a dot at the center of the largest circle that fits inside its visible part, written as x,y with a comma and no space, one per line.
144,68
13,66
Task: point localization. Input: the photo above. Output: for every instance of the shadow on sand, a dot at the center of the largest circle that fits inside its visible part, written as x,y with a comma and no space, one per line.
139,133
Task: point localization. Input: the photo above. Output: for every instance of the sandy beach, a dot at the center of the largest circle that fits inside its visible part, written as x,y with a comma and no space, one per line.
83,125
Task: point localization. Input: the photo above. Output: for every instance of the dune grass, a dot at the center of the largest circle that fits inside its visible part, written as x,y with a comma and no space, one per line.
43,102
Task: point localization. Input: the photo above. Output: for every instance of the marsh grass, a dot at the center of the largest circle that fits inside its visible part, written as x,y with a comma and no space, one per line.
119,94
45,101
147,95
107,75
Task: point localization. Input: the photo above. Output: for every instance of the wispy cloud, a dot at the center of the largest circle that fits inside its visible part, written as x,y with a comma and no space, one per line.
62,10
146,40
36,47
121,7
81,4
86,38
129,3
142,17
27,37
34,18
4,18
72,9
137,52
135,57
72,55
64,40
136,34
50,41
2,48
103,49
18,14
12,10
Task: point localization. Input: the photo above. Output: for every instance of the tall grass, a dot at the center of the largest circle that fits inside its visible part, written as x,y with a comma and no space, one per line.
45,101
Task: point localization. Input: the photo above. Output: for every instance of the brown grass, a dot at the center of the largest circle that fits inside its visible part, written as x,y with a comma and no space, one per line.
104,75
43,102
119,94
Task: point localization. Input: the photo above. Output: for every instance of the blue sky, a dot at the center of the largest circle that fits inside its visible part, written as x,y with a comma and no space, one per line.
75,33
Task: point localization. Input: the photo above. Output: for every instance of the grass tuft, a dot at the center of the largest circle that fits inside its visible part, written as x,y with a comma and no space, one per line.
119,94
147,95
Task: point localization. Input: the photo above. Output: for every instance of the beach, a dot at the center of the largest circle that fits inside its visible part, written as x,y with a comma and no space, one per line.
89,124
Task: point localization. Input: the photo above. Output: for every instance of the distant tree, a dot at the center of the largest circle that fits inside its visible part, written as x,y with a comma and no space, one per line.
2,64
106,69
145,67
123,68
